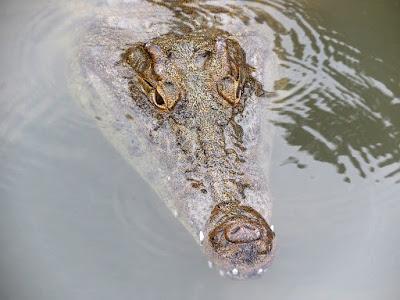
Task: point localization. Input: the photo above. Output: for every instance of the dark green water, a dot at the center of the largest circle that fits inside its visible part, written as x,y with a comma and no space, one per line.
342,104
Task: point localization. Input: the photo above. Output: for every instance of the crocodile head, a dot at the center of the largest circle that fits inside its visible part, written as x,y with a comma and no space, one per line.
198,83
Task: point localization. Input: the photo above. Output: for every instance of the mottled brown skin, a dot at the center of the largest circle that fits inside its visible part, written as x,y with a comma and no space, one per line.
198,83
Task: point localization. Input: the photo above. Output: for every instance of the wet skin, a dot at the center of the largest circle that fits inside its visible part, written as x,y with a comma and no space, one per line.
198,83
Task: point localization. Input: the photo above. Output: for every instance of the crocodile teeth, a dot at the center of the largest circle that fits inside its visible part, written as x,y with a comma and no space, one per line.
201,236
210,264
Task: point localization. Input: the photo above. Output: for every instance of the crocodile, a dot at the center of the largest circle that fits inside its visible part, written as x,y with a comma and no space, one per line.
185,107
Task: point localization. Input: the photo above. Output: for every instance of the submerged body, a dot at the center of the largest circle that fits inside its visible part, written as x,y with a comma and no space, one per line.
186,106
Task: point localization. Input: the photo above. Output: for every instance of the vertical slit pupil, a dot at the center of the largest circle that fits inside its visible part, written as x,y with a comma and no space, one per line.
159,99
238,92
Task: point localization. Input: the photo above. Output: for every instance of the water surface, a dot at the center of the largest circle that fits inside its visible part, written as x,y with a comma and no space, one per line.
77,222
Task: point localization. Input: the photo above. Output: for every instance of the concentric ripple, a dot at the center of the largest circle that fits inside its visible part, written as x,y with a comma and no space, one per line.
36,114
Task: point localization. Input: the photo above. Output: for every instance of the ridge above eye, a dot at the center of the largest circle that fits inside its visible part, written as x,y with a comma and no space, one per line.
229,89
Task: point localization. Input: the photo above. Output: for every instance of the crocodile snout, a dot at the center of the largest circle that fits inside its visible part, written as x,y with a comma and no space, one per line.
238,240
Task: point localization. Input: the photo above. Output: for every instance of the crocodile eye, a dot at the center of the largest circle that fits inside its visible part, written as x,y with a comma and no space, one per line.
159,100
165,96
229,89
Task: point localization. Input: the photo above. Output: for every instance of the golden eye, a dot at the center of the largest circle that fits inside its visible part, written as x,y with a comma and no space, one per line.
159,100
229,89
165,96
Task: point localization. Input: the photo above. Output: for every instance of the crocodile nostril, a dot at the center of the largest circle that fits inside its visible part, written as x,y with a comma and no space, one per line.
242,233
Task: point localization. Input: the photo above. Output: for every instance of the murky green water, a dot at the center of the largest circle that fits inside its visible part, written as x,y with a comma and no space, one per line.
77,222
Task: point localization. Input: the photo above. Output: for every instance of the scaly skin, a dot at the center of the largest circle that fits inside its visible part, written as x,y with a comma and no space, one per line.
198,83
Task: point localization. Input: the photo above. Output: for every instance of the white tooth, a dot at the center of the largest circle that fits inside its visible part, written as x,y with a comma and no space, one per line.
210,264
235,271
272,227
175,213
168,178
201,236
259,271
221,273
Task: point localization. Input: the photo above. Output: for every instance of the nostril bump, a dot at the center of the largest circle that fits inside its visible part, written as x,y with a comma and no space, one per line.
242,233
235,230
249,227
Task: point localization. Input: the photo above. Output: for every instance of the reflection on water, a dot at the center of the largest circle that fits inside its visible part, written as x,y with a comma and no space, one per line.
78,223
332,106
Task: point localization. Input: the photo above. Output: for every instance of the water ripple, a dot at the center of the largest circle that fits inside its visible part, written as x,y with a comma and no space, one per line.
36,113
336,103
